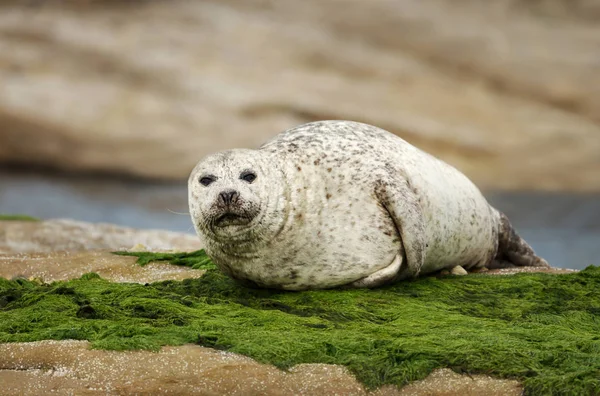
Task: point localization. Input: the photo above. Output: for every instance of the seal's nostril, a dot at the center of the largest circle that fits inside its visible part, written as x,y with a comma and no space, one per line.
228,196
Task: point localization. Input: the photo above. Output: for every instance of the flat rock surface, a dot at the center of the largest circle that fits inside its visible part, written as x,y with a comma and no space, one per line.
61,235
54,250
70,367
507,91
57,266
520,270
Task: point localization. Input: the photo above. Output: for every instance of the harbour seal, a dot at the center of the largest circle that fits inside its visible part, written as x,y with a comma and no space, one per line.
341,203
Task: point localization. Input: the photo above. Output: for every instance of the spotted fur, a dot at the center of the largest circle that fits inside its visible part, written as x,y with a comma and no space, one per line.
341,203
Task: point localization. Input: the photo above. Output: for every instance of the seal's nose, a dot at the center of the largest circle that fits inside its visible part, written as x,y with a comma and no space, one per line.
228,196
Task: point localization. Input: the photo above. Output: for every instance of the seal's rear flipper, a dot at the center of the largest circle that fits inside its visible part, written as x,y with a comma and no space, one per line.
512,249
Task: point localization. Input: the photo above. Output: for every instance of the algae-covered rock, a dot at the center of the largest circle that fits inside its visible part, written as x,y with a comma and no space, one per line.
535,329
540,329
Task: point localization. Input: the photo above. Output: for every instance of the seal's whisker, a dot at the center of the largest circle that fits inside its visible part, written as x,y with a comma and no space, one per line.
177,213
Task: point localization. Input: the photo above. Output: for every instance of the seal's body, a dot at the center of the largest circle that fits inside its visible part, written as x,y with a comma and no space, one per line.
339,203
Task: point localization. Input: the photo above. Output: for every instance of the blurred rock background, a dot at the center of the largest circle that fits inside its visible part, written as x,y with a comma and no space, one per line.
105,106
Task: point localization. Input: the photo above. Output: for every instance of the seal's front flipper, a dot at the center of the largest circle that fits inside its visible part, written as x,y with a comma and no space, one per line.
381,277
513,249
401,202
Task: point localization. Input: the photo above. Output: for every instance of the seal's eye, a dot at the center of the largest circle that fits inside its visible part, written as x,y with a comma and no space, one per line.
207,180
248,176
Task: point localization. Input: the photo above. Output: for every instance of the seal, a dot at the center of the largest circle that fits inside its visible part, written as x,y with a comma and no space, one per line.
341,203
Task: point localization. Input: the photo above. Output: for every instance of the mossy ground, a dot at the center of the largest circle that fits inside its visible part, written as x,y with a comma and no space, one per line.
541,329
195,260
13,217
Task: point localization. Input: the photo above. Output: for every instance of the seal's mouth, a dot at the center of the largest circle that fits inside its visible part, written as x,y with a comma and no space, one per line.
229,219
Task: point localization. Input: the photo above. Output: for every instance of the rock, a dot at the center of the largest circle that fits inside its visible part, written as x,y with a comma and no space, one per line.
70,235
519,270
57,266
73,368
54,250
495,89
446,382
458,270
70,367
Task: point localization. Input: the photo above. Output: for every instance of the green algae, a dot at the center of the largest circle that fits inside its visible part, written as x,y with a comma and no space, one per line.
196,260
541,329
17,217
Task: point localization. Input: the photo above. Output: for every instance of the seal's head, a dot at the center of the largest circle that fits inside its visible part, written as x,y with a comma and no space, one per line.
230,193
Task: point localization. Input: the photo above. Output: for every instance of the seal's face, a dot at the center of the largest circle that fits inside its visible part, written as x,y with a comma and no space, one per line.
227,194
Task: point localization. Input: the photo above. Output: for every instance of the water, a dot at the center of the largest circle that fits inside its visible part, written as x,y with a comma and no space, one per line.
563,228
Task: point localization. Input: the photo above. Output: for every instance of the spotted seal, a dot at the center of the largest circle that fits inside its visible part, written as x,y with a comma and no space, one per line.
341,203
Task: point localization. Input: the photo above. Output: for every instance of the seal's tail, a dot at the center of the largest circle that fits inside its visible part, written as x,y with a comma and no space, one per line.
513,250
